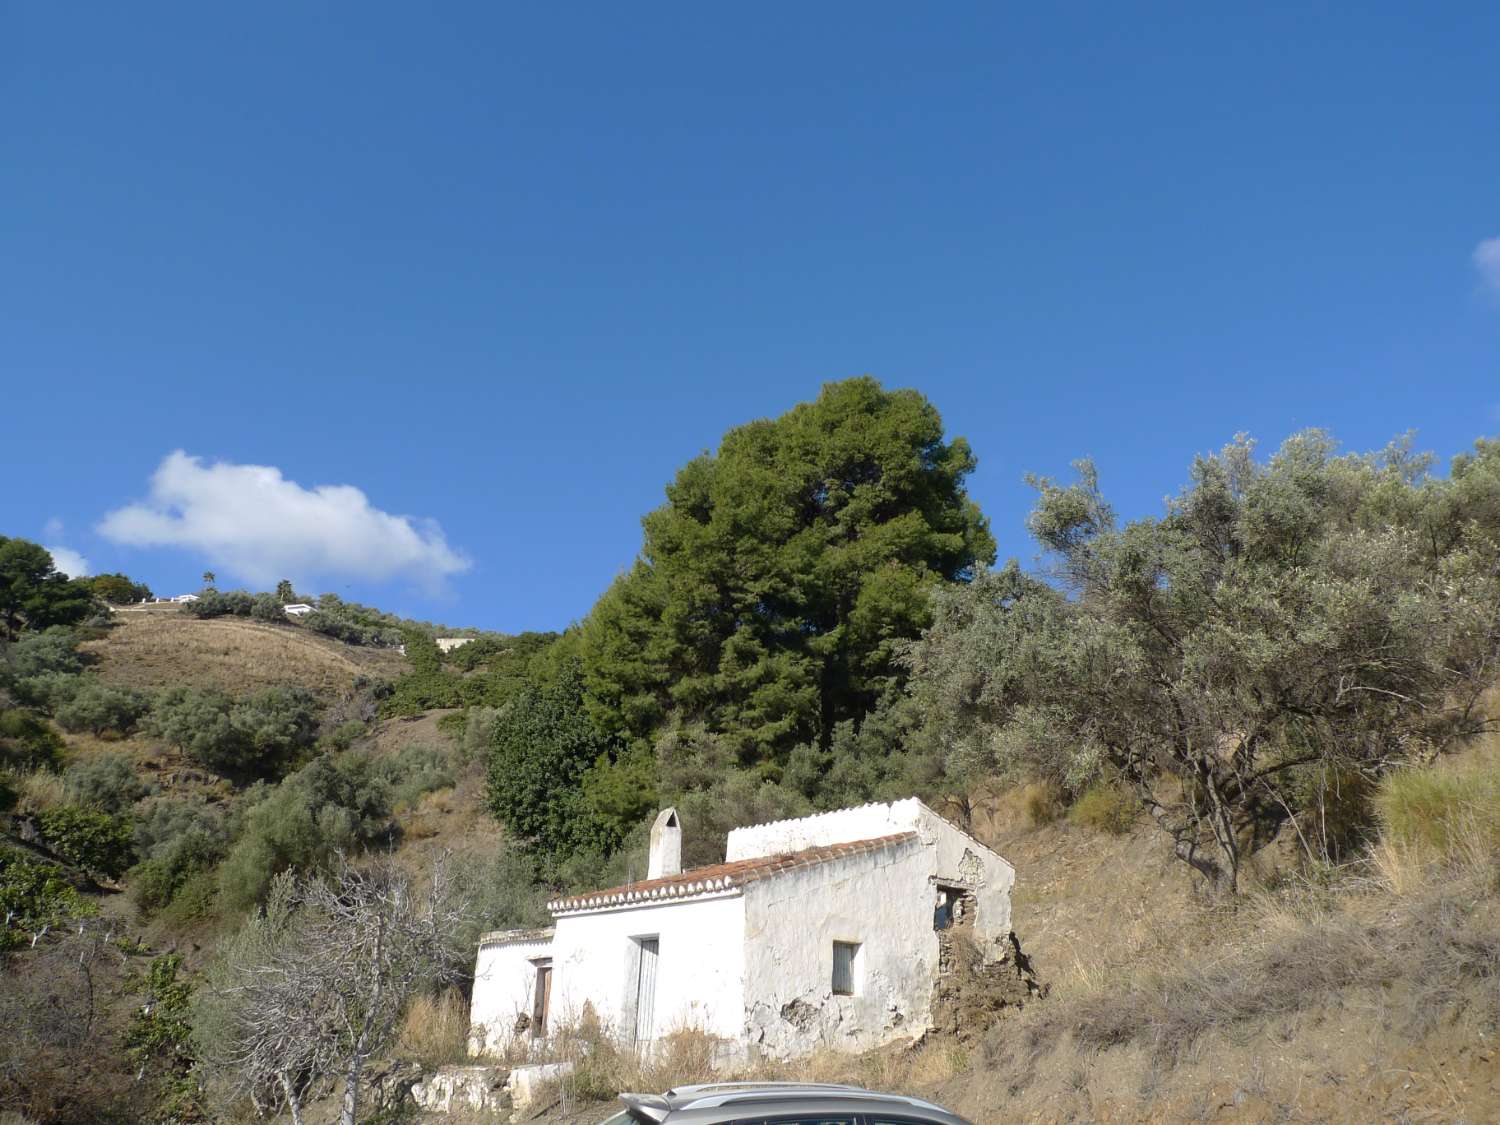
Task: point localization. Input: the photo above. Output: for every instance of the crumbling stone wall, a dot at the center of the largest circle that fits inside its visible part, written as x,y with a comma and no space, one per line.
974,986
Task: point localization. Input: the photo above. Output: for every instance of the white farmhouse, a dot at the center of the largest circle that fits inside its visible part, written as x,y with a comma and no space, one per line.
297,609
185,598
823,931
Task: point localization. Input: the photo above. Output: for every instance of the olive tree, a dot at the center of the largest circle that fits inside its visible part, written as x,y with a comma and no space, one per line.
1284,624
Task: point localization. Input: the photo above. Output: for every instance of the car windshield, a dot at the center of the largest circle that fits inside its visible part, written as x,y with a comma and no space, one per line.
621,1118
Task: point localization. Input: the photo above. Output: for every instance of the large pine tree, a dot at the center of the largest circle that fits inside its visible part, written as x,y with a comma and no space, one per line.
774,584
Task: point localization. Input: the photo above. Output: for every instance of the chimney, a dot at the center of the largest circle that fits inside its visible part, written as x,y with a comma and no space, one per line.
666,846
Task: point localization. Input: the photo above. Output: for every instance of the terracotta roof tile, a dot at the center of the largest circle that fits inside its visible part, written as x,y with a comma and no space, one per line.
721,876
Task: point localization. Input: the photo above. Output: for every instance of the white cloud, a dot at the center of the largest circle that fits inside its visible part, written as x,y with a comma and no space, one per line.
69,561
1487,262
252,522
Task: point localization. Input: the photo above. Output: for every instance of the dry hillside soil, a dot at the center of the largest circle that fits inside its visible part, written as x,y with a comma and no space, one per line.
151,649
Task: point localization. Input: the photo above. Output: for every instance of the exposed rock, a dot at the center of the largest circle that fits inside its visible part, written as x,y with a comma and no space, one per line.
458,1088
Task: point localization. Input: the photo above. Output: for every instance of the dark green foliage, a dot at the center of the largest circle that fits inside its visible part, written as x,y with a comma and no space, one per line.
268,607
178,842
33,895
276,724
105,781
285,594
27,742
117,589
777,582
355,624
213,603
159,1039
544,745
94,841
331,805
196,721
33,594
256,737
428,685
97,707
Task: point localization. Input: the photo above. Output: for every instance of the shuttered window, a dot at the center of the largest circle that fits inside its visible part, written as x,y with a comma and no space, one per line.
846,958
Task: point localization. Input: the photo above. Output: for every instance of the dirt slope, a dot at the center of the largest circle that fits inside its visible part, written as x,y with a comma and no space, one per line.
153,648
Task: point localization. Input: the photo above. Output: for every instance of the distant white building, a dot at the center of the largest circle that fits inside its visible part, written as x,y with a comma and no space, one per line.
297,609
448,644
184,598
823,931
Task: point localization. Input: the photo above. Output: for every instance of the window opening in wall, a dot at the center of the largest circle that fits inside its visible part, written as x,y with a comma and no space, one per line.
955,907
541,997
645,987
846,967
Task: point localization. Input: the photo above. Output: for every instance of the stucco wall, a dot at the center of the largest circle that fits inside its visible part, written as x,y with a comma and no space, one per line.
867,822
958,858
700,972
504,986
883,901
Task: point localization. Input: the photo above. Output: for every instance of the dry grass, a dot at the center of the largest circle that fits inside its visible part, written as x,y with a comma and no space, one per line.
40,790
149,651
435,1029
1105,807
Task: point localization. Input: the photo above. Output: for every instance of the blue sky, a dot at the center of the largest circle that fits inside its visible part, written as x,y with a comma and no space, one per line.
502,269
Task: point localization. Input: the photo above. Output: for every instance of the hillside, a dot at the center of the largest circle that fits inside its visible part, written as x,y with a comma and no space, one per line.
1360,994
159,647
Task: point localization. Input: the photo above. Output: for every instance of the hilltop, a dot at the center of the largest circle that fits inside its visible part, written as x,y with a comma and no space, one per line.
157,647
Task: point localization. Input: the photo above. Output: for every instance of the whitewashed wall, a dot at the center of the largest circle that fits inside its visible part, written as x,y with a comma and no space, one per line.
867,822
883,901
956,856
504,986
700,973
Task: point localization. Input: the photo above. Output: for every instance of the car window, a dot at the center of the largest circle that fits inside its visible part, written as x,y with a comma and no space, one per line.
878,1120
621,1118
812,1119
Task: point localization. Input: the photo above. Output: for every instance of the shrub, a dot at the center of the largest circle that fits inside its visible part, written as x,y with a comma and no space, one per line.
276,723
52,650
97,842
178,841
1041,802
48,691
213,603
33,895
268,607
196,721
256,737
1447,810
413,772
97,707
27,742
1105,807
327,807
117,589
106,781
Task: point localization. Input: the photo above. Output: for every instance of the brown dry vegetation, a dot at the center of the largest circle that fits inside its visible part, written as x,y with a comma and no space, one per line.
153,649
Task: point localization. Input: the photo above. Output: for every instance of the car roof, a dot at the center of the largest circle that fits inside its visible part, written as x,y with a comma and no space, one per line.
712,1102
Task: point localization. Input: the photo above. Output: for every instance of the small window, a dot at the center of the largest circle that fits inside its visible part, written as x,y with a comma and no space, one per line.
846,967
